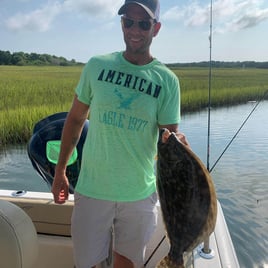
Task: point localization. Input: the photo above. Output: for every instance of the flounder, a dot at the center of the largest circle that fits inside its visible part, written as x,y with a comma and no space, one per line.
187,197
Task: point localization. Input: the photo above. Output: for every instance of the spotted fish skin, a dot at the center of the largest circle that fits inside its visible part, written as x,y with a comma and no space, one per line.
187,197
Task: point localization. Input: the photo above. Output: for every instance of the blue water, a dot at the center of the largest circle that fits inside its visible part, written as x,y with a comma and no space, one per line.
240,176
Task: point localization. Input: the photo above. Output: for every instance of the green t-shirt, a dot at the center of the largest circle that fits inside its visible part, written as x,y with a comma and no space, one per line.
127,103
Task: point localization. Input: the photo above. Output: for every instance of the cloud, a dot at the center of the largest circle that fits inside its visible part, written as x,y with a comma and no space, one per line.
197,15
37,20
240,15
100,8
174,14
248,20
228,15
42,18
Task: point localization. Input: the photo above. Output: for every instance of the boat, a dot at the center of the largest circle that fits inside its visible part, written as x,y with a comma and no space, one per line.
41,236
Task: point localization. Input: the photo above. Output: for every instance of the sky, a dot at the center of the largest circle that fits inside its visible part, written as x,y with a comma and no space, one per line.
80,29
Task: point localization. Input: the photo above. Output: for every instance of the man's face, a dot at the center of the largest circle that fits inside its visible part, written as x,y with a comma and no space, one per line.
138,29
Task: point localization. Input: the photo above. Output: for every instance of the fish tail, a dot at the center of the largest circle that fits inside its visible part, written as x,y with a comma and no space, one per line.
166,262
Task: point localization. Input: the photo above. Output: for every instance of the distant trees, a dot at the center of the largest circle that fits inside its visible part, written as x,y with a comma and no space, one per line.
222,64
22,58
5,57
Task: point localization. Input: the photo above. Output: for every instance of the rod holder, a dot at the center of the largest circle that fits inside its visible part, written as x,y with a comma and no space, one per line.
205,251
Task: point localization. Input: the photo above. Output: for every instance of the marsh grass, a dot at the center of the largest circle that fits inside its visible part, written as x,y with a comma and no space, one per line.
228,86
29,94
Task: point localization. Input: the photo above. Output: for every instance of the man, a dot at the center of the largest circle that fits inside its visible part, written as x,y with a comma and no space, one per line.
130,96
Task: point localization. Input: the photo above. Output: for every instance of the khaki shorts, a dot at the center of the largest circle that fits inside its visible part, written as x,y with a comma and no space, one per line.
133,224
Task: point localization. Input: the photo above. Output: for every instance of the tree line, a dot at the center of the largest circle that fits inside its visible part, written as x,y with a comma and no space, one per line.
222,64
23,59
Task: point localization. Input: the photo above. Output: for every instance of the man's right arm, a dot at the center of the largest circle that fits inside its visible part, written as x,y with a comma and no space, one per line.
70,137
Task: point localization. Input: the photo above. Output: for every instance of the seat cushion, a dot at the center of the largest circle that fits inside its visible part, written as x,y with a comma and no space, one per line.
18,237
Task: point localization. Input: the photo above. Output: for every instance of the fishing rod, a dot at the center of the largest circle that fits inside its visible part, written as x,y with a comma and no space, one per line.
242,125
209,84
209,102
205,251
156,248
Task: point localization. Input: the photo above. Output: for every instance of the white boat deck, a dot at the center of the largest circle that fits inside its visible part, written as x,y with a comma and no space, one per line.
52,223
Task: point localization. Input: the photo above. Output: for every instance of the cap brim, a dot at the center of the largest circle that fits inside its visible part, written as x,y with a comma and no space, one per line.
122,10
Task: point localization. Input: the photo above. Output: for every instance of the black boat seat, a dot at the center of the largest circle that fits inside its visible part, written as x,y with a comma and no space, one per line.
18,237
44,147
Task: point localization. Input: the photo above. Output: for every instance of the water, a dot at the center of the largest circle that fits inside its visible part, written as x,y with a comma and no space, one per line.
240,176
16,171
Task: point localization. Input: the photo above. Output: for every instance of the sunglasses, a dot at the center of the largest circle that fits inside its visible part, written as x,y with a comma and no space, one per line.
144,25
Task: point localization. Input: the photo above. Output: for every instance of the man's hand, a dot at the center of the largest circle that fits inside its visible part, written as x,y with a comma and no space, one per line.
180,136
175,129
60,188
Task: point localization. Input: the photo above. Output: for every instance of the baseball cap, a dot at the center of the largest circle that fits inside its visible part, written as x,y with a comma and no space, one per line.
152,7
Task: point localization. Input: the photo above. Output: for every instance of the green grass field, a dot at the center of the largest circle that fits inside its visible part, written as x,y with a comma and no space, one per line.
30,93
228,86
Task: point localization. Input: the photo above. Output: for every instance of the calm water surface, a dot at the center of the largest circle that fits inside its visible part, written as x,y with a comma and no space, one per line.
240,176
